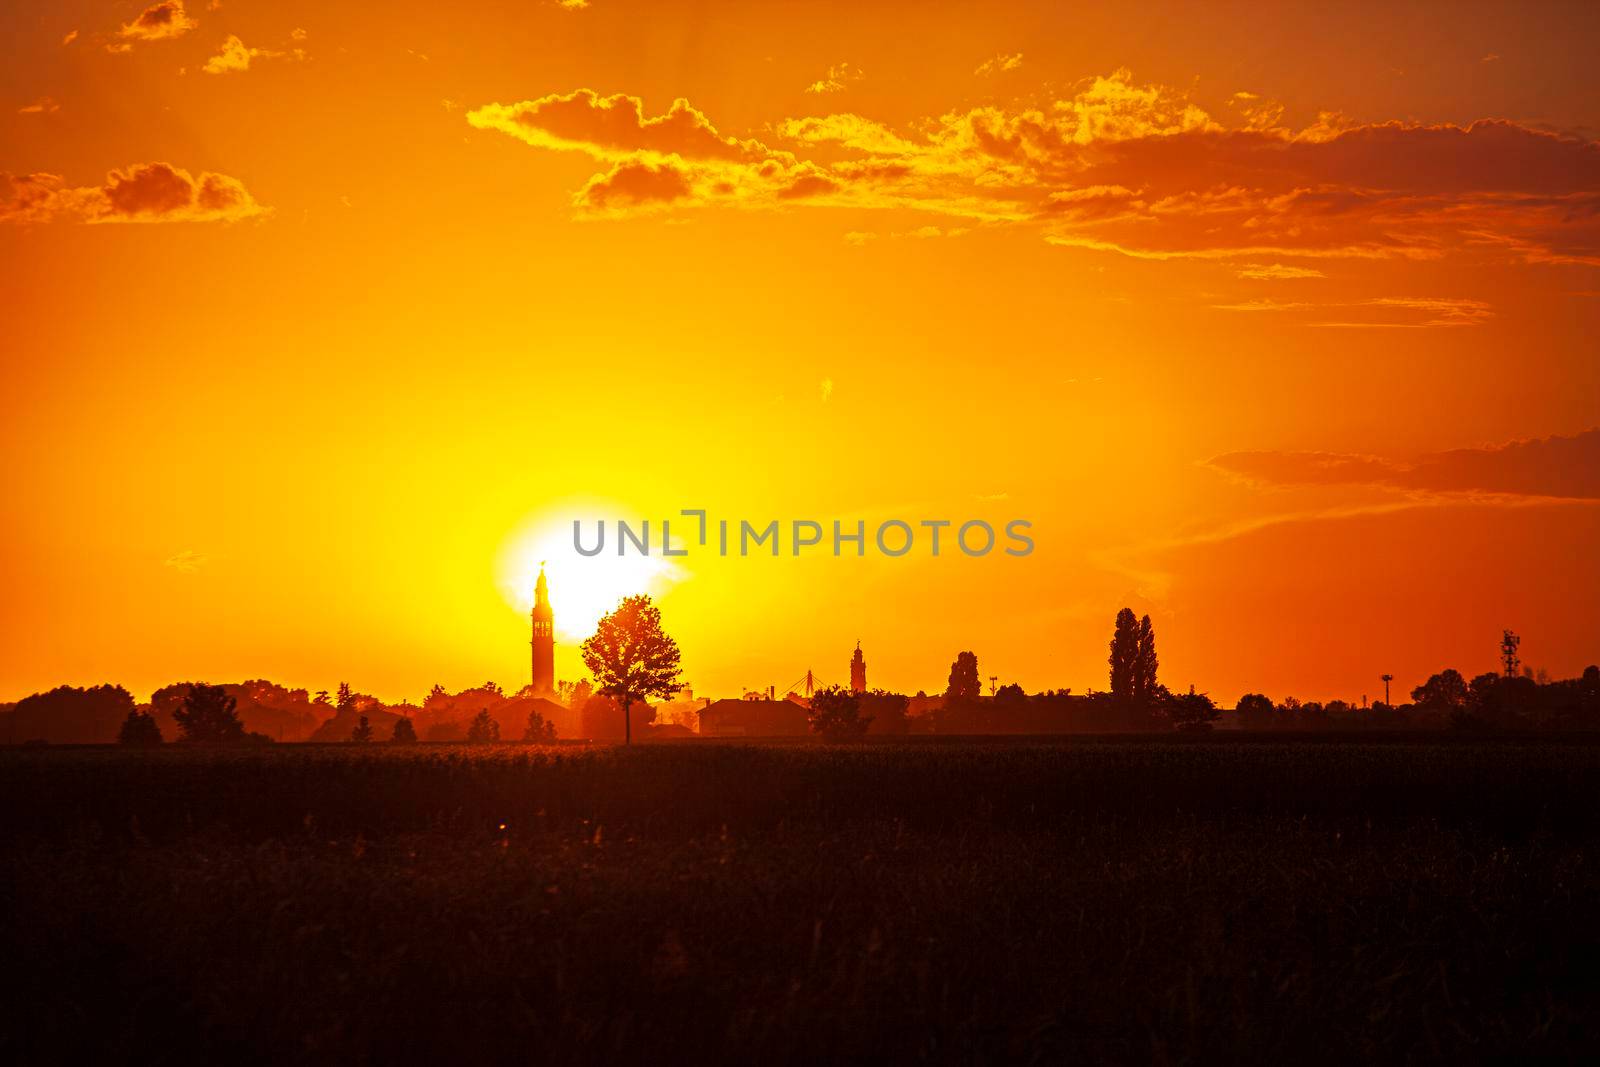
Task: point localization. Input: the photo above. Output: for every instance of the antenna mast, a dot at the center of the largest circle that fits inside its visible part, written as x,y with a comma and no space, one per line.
1508,652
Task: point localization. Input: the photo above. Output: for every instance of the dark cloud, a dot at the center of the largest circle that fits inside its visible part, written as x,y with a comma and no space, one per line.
159,22
1563,467
145,192
1133,168
636,183
615,126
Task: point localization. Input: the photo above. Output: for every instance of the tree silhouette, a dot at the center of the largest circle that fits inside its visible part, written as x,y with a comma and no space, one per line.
363,731
632,657
483,728
539,728
1143,681
1445,691
1255,710
1191,711
139,730
573,694
964,684
65,714
1124,655
208,716
836,714
405,732
346,697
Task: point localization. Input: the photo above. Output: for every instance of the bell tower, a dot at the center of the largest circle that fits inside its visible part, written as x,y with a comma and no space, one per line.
858,671
544,639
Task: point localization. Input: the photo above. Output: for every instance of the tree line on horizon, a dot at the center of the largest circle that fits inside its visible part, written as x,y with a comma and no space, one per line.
634,660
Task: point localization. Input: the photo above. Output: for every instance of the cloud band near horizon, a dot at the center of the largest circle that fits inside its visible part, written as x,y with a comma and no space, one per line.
1550,467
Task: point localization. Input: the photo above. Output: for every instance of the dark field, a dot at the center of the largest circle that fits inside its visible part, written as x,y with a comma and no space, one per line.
1126,900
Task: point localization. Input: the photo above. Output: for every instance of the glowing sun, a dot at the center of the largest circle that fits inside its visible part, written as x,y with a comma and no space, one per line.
582,588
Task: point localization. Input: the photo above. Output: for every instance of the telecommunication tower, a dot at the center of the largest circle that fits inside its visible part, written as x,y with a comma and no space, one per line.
1509,643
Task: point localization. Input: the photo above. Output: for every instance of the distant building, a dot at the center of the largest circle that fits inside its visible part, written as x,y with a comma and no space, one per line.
513,716
754,716
544,639
858,671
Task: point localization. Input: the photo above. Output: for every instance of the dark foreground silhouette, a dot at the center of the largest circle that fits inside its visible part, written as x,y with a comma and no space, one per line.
950,901
633,660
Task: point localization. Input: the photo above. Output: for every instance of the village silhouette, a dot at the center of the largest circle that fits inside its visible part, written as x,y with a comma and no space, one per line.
635,692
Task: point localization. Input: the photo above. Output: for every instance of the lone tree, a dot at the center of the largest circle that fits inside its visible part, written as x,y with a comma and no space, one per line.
631,657
208,716
483,728
1144,664
139,730
836,714
1124,656
363,731
539,728
964,683
405,732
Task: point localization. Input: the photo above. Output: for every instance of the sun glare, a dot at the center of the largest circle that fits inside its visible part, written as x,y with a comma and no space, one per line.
582,589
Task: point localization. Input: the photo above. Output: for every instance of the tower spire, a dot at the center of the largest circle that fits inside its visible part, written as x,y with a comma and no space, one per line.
544,642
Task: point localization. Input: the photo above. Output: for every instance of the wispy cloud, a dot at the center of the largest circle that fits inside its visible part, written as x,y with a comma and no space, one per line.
1276,272
235,56
1139,562
840,77
187,561
921,233
998,65
1420,313
1552,471
1263,305
1390,312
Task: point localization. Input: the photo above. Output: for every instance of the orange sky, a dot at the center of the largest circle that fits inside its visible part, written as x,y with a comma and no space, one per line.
321,319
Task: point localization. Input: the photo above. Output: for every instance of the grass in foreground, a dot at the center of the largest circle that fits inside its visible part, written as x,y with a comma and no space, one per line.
955,901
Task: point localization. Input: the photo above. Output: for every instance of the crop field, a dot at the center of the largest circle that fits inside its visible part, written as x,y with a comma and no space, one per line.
946,901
